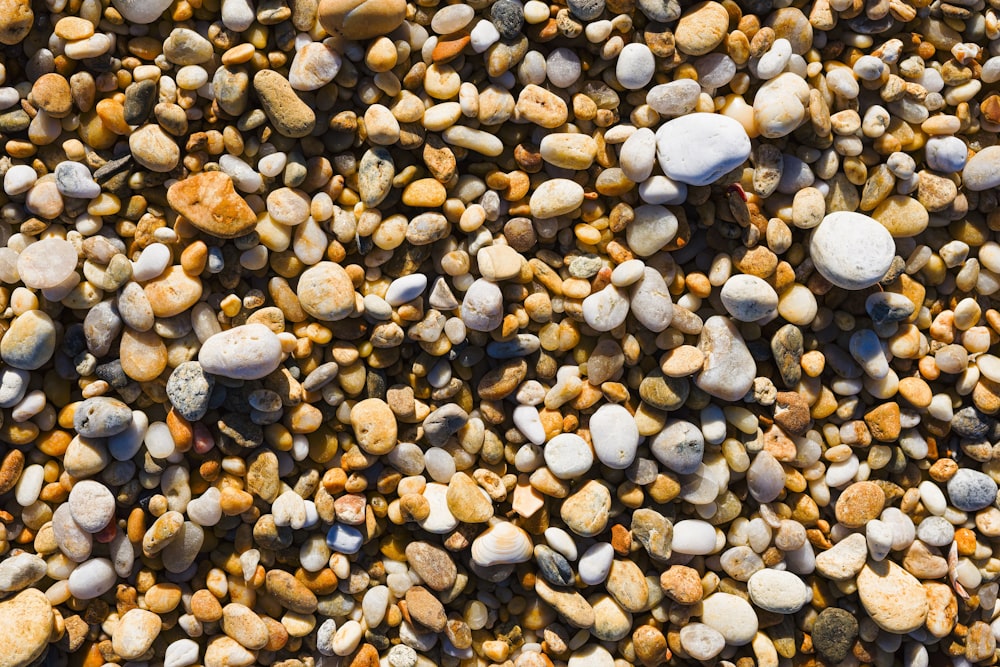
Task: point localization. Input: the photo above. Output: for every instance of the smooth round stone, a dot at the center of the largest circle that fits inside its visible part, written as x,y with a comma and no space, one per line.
440,520
451,18
26,620
141,11
74,180
136,631
693,537
344,539
568,456
779,106
702,642
92,579
101,417
946,154
765,477
482,306
778,591
47,263
638,155
893,597
326,292
246,352
555,197
982,171
19,179
92,505
595,563
749,298
902,216
676,98
635,66
615,435
606,309
970,490
361,19
659,189
700,148
680,446
314,66
851,250
731,616
652,228
30,341
405,289
562,66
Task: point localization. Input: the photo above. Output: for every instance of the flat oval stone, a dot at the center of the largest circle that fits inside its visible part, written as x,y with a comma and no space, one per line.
851,250
26,623
778,591
30,341
247,352
101,417
731,616
47,263
893,597
615,435
700,148
326,292
982,171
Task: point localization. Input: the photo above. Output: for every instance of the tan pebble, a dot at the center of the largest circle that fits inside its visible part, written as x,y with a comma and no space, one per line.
860,503
172,292
209,201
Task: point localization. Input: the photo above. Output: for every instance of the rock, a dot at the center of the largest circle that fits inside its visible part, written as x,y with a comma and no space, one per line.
189,390
47,263
209,201
569,151
374,426
74,180
700,148
679,446
682,584
586,511
246,352
701,642
970,490
749,298
20,571
136,631
627,584
637,156
654,531
606,309
893,597
290,592
650,301
223,651
154,149
635,66
731,616
92,579
290,116
845,559
615,436
314,66
466,500
482,307
780,105
982,171
26,623
424,608
778,591
137,11
16,20
101,417
361,19
729,368
860,503
702,28
834,633
432,564
570,604
851,250
652,228
326,292
186,47
555,197
611,622
568,456
676,98
92,505
694,537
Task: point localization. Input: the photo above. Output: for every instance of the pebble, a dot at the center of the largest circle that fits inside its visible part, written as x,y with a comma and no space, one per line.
247,352
980,172
27,620
356,20
851,250
748,298
971,490
778,591
699,148
893,598
731,616
209,202
136,631
615,436
635,66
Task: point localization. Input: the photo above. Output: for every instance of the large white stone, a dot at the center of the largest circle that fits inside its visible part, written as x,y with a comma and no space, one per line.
851,250
700,148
